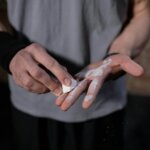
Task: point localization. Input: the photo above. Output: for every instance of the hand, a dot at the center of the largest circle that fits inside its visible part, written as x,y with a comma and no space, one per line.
93,77
27,73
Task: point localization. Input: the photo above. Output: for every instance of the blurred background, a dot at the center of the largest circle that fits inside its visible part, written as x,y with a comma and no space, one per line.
137,119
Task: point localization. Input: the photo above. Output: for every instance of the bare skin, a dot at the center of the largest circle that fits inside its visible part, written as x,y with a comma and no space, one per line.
129,44
92,83
28,74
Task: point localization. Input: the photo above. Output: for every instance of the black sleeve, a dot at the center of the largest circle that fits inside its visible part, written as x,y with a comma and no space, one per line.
9,46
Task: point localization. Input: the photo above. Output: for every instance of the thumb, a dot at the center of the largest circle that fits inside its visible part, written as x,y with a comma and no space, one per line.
132,68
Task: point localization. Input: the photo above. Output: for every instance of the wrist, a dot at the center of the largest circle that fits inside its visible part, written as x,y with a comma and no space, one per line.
121,47
110,54
116,72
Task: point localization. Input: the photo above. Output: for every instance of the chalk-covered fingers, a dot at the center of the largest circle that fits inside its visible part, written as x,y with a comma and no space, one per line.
91,85
67,100
94,88
93,77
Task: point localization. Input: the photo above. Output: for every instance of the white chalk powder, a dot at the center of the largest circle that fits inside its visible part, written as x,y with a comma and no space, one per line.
94,84
98,71
93,72
88,98
67,89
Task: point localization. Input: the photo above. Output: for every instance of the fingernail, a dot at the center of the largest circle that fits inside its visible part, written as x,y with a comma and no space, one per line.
69,88
87,101
67,82
64,108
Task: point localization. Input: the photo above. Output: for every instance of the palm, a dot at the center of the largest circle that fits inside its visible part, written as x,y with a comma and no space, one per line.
93,77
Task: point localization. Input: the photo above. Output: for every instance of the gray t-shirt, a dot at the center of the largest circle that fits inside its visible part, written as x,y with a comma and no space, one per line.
77,32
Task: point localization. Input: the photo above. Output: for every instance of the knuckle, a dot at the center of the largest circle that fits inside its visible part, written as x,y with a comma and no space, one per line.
37,74
52,63
44,90
33,46
21,55
53,87
47,81
41,89
28,83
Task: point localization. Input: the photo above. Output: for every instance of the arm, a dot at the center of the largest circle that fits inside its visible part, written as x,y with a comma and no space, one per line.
133,38
128,44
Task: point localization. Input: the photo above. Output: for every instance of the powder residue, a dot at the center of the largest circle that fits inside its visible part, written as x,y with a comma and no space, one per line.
98,71
67,89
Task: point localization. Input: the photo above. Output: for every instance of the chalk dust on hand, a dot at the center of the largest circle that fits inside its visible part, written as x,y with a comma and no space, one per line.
67,89
99,70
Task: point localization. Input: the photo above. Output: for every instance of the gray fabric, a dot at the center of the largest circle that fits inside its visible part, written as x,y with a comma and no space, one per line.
80,31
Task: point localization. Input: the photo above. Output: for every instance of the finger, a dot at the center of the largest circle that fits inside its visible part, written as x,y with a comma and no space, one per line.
60,99
81,75
30,84
51,64
94,88
42,76
92,92
127,64
132,68
73,95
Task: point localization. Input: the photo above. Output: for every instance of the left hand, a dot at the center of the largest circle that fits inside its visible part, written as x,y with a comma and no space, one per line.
93,77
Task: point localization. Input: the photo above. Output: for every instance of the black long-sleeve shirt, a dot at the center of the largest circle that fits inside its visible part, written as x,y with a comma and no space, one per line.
9,46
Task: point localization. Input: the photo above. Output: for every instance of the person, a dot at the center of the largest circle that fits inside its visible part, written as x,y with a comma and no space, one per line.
54,43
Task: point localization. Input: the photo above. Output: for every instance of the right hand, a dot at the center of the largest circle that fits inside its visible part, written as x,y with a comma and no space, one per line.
28,74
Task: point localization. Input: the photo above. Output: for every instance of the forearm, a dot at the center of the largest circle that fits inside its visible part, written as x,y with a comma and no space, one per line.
11,41
134,36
